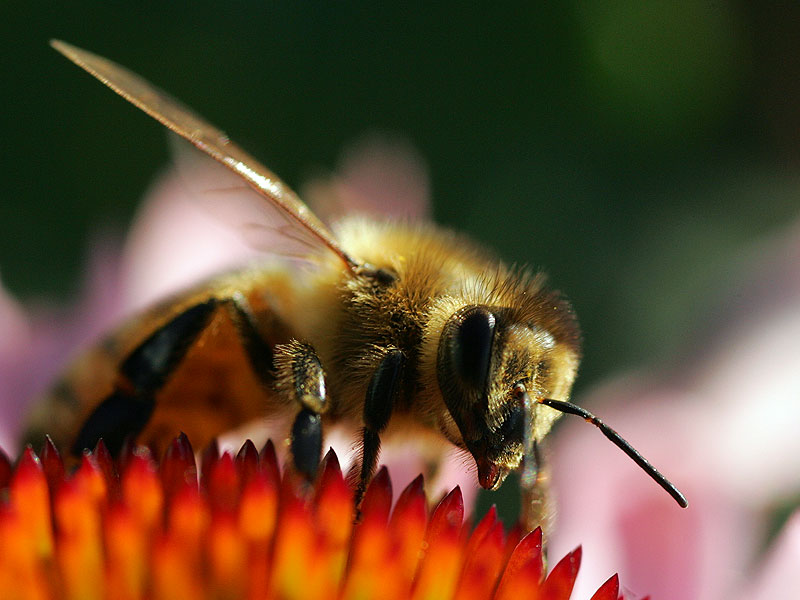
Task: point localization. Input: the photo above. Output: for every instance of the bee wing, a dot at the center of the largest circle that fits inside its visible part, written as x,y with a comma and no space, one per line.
223,194
295,220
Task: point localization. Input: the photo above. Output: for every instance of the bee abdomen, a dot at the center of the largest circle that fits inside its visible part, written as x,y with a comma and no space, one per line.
129,407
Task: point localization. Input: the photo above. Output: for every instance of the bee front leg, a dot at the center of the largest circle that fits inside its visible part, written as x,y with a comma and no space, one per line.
382,393
301,379
537,509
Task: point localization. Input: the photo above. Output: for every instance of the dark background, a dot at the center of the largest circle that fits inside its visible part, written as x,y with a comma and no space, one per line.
629,150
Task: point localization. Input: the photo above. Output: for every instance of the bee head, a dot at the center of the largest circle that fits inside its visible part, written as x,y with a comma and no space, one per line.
488,364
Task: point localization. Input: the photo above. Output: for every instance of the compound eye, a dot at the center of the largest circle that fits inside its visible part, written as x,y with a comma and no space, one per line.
472,351
511,429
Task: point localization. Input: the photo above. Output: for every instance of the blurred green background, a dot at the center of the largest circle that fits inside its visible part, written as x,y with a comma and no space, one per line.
629,148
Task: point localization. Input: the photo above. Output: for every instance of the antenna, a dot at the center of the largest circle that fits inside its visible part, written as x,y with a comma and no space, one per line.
619,442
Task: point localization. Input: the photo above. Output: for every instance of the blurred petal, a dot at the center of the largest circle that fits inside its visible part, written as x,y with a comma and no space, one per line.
722,425
606,503
778,577
36,344
378,176
15,340
14,328
174,243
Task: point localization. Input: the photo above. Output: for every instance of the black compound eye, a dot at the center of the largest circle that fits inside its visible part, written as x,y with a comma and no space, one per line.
472,351
511,429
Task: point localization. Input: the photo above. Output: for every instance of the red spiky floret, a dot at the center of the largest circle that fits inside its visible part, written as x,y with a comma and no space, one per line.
137,529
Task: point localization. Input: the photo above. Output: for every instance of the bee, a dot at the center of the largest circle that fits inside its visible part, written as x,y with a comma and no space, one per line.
396,327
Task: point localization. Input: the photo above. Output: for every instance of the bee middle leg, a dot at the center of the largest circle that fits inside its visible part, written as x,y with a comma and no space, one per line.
296,372
301,379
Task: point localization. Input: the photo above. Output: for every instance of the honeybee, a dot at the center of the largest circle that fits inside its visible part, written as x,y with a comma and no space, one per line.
396,326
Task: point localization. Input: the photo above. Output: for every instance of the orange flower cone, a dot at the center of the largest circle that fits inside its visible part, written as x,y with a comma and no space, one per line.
137,529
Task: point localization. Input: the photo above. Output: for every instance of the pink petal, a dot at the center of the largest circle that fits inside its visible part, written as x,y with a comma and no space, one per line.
626,523
721,424
378,176
35,345
778,574
174,243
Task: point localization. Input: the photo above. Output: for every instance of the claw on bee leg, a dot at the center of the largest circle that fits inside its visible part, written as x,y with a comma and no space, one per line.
306,444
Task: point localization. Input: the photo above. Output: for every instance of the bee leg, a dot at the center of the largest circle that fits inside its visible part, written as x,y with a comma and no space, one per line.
537,509
307,442
296,372
144,371
382,393
301,379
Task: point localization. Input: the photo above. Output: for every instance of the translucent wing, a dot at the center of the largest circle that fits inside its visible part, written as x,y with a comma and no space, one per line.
296,221
230,200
